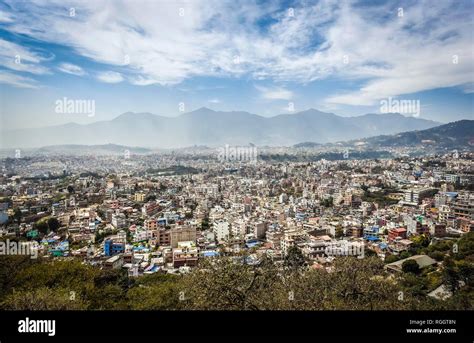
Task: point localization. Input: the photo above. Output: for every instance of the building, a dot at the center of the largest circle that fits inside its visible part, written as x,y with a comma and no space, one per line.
164,237
444,213
463,207
260,230
119,221
414,196
356,231
186,254
112,248
151,224
372,233
399,245
114,262
314,249
239,228
439,230
397,233
274,238
150,208
139,197
182,234
422,260
221,230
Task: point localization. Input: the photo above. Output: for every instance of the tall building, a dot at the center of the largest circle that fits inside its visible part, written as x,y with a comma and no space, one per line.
414,196
260,229
222,231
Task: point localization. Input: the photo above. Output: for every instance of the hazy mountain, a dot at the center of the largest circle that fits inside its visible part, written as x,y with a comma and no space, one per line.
76,149
214,128
104,149
455,135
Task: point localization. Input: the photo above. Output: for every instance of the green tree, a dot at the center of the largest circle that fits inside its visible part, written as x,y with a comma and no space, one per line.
42,226
410,266
294,257
391,258
43,298
17,215
205,223
53,224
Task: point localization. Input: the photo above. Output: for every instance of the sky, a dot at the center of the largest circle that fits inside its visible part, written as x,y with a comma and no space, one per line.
264,57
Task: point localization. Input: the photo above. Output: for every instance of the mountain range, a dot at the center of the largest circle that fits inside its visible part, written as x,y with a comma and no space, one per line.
216,128
455,135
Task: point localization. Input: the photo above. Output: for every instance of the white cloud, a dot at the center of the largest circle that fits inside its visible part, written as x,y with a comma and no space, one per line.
110,77
214,101
18,58
141,81
468,88
275,93
387,55
71,69
12,79
5,17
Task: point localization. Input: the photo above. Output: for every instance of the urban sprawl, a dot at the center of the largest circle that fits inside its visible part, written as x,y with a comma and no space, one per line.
165,213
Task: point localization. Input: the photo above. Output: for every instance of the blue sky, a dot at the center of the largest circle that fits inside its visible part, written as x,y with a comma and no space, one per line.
256,56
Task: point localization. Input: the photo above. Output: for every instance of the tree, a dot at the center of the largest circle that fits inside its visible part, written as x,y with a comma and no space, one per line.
466,272
150,197
359,284
42,226
370,253
410,266
205,223
465,246
391,258
17,215
53,224
451,276
229,284
328,202
70,189
156,292
43,298
294,258
404,255
420,241
437,255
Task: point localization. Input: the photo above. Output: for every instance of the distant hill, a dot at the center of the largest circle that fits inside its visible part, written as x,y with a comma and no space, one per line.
216,128
105,149
307,145
455,135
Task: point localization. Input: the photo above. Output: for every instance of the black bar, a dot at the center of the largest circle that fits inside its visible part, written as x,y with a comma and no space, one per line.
127,324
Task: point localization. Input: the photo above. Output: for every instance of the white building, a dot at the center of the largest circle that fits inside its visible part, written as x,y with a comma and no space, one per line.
222,231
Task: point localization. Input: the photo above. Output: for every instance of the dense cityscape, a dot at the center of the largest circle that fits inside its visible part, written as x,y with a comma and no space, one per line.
170,214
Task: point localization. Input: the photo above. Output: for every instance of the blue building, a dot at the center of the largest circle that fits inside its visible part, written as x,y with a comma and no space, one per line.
113,248
372,233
